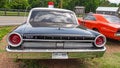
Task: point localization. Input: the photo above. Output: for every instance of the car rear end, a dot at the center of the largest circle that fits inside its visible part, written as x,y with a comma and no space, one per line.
38,46
52,34
117,35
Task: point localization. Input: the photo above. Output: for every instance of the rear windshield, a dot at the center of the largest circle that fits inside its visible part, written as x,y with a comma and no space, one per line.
52,19
112,19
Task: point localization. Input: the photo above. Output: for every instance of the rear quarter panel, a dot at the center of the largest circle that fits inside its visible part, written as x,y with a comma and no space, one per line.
107,30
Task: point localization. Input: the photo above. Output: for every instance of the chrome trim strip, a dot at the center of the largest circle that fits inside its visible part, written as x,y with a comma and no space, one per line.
58,50
73,35
70,45
58,40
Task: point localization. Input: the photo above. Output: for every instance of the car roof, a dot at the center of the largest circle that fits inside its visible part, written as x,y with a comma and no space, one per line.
51,9
100,17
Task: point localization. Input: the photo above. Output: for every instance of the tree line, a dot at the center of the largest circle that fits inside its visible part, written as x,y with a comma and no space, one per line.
90,5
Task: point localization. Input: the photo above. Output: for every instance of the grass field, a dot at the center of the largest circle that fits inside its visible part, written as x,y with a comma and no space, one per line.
107,61
4,30
111,58
10,13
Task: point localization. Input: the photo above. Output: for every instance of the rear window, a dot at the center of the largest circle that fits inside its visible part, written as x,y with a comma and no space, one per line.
52,18
112,19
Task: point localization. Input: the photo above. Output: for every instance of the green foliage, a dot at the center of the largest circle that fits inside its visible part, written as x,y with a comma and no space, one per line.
14,4
19,4
4,30
67,4
90,5
43,3
108,4
2,3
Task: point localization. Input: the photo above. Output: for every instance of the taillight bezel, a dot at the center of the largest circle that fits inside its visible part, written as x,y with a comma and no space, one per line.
104,38
14,45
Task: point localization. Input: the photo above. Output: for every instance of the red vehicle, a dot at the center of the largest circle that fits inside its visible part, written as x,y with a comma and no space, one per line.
106,24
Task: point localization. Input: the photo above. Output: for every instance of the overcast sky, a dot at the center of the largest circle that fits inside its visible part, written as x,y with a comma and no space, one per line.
114,1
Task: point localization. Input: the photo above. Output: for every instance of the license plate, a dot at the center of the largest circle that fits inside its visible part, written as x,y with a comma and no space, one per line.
57,55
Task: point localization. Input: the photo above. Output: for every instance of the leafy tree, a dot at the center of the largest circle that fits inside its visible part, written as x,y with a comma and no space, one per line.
38,3
18,4
105,3
2,3
90,5
113,5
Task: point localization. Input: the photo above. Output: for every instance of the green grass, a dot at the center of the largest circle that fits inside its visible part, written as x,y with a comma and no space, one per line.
10,13
117,54
5,30
108,61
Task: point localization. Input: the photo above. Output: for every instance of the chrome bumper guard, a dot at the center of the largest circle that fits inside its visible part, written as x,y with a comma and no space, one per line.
47,53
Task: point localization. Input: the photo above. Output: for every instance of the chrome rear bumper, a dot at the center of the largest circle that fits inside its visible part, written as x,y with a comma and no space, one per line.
47,53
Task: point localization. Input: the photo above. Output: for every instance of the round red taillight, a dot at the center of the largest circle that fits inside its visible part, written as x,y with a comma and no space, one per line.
100,41
14,39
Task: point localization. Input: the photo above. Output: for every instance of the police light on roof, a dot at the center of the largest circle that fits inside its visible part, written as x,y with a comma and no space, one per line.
50,4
